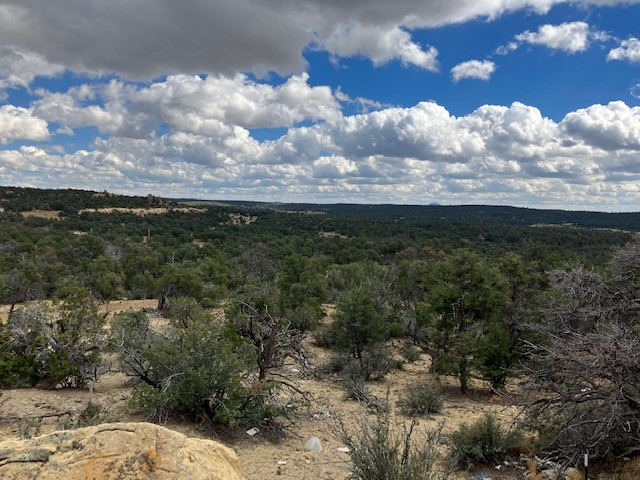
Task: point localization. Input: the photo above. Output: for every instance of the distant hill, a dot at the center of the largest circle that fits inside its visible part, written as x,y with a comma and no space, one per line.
32,218
464,213
70,201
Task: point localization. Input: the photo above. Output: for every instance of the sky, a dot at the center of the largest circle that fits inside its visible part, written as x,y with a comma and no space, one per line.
531,103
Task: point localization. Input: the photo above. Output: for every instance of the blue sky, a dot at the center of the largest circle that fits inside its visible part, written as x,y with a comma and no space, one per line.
522,102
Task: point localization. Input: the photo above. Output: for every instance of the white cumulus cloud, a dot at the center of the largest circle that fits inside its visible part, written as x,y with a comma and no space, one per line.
615,126
496,154
380,45
207,106
406,149
628,50
479,69
17,123
571,37
240,101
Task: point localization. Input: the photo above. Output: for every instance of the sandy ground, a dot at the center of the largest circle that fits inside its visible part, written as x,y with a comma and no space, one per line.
261,457
115,306
142,211
50,214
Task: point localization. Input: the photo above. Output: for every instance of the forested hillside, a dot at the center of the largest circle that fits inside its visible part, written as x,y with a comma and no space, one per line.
481,213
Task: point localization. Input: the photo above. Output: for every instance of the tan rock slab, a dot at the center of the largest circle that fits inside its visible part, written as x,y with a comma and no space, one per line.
138,451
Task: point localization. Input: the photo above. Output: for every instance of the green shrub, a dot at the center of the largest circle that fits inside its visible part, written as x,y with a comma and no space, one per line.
421,401
91,415
108,285
484,441
197,371
396,330
376,361
60,345
60,368
336,363
183,311
208,302
213,294
382,450
303,318
18,370
373,364
325,337
355,385
411,353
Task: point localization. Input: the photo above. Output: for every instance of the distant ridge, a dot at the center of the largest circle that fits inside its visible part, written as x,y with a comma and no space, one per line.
70,201
628,221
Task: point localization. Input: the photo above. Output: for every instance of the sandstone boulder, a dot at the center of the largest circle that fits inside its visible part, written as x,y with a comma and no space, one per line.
112,451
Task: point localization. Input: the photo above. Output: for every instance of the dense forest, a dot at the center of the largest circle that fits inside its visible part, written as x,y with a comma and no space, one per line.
124,253
485,291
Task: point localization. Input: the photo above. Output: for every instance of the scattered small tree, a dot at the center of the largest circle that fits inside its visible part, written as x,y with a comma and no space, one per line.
109,285
492,356
465,296
196,368
20,285
302,289
271,335
357,324
300,283
178,282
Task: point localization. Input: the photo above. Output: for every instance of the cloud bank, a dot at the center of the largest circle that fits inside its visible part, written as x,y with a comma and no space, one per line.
174,115
206,106
496,154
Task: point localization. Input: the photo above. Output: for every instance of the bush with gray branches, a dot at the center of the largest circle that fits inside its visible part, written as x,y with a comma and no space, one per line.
583,368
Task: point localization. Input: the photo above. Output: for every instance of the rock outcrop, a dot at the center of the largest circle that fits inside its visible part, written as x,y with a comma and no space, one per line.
112,451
